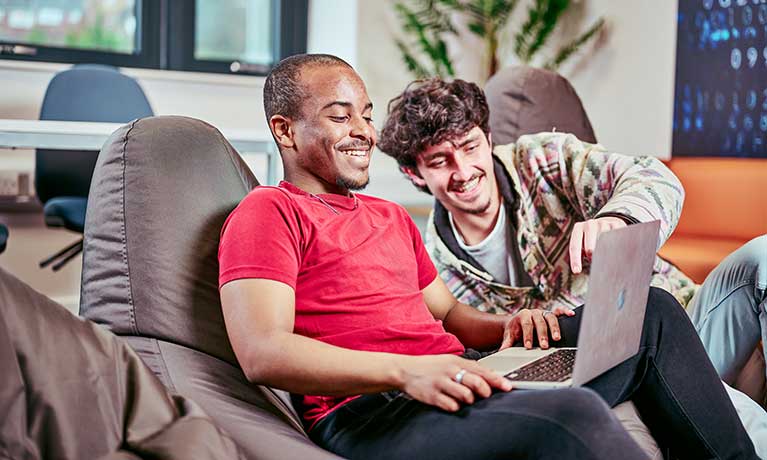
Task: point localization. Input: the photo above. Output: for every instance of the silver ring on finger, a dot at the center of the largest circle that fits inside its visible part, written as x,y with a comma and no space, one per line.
547,312
459,376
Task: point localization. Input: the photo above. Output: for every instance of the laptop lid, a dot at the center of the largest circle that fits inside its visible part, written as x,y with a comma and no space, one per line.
619,283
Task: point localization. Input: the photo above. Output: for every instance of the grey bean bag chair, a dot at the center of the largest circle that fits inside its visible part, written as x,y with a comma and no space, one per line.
528,100
160,193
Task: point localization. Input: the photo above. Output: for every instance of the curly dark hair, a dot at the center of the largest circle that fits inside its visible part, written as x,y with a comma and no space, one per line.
283,92
430,112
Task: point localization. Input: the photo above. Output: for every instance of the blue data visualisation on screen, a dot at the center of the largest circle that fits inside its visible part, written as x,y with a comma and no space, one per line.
720,102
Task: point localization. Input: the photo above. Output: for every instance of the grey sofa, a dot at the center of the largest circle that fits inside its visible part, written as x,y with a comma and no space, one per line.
161,191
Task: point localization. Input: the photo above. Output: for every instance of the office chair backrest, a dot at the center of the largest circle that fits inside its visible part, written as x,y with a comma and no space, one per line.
527,100
83,93
3,237
161,191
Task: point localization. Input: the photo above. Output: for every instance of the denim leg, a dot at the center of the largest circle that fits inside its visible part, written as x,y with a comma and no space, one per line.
729,309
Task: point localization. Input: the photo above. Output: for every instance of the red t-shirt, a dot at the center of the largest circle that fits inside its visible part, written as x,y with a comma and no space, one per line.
357,266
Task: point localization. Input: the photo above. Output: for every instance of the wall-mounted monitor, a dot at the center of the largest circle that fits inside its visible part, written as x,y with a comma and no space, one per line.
720,101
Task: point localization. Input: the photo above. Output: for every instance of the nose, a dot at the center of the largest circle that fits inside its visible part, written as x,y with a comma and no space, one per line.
362,129
463,170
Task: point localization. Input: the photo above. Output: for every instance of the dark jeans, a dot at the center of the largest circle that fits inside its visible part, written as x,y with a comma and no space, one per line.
671,381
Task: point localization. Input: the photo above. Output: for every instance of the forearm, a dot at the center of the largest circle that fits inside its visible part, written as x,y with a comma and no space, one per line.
306,366
476,329
636,189
646,191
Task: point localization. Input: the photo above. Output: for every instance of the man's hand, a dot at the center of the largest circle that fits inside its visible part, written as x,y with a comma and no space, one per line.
583,240
431,379
527,323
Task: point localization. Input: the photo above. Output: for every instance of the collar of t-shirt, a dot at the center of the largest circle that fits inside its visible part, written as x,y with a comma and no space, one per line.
331,200
493,252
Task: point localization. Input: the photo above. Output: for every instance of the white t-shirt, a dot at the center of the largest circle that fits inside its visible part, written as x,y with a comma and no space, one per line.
494,253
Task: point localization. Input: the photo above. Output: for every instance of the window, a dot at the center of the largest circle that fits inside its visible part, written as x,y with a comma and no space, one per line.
235,36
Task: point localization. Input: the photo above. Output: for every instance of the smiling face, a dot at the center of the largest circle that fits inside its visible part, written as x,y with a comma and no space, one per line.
328,148
459,173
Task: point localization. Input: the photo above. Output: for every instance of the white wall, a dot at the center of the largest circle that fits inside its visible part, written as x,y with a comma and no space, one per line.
626,85
333,29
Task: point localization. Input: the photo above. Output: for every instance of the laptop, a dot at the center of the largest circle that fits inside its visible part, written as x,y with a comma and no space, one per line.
612,317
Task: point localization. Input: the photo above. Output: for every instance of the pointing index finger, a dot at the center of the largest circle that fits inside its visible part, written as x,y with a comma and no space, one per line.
576,247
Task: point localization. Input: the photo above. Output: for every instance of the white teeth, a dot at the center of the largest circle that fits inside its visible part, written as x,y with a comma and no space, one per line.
469,185
356,153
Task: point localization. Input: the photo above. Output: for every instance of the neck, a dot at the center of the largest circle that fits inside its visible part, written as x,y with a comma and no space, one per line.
474,228
313,184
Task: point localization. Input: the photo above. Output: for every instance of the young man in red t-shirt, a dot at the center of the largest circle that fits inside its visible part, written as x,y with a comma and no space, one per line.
331,294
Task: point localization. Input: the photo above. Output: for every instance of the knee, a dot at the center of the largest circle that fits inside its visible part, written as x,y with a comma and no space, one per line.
663,306
576,420
747,263
754,256
580,409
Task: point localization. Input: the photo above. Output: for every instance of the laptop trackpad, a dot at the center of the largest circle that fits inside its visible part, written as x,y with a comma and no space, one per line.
509,359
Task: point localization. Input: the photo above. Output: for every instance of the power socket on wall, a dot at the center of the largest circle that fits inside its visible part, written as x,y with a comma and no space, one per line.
15,183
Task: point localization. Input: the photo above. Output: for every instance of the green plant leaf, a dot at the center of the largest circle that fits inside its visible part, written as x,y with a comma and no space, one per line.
548,21
568,50
412,64
523,36
477,28
444,60
426,22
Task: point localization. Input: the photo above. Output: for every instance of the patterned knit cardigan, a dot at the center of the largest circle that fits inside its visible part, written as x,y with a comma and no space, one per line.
557,180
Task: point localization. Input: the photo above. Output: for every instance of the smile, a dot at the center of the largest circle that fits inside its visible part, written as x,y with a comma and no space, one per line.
355,153
469,185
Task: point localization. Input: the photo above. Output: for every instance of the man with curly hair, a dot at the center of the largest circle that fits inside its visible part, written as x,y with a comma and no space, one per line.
514,226
330,294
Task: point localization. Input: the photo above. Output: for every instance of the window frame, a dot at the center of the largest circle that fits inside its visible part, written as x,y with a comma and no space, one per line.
166,41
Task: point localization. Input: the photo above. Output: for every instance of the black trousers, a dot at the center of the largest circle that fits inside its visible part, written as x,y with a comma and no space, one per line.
670,380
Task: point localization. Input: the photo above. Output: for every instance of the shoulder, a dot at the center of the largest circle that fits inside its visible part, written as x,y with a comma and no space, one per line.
266,197
268,194
265,206
550,141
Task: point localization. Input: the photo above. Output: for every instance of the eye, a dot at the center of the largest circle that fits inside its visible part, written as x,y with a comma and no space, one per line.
437,163
368,119
339,118
471,148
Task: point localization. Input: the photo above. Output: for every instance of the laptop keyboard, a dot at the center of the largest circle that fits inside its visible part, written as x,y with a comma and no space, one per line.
554,367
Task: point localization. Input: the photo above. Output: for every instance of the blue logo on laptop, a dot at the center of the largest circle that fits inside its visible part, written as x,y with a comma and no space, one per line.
621,302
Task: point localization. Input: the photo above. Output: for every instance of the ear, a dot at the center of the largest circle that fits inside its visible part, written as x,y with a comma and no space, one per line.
282,130
490,139
413,175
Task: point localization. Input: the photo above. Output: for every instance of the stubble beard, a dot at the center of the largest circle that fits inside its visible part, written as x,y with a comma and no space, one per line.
476,210
351,184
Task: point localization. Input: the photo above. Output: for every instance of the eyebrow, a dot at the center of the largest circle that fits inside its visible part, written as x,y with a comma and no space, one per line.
471,139
346,104
441,153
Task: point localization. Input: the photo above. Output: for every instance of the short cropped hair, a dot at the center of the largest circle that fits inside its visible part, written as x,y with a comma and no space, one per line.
430,112
283,92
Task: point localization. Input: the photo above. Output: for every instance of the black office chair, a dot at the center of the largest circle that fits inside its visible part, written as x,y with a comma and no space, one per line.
3,237
95,93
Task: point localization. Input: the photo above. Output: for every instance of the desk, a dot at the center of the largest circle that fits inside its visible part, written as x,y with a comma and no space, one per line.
79,135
